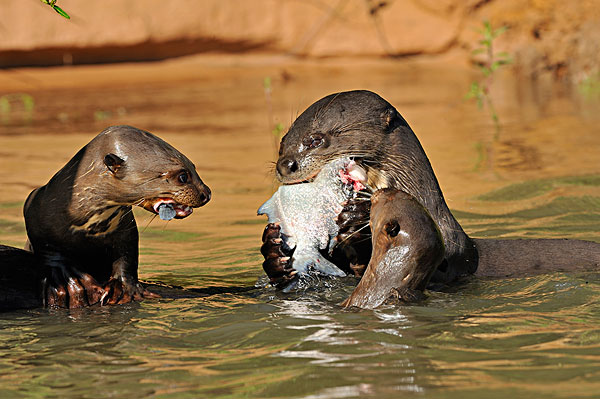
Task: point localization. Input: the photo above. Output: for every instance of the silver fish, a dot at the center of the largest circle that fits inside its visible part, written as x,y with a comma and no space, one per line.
307,213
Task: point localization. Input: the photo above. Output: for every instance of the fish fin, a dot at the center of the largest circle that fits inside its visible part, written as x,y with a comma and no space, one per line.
304,263
266,208
327,267
269,208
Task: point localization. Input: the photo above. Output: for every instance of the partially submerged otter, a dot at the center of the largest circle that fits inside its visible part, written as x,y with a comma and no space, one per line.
407,248
362,125
81,226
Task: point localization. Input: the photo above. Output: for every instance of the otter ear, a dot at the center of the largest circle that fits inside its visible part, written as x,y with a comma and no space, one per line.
393,120
113,163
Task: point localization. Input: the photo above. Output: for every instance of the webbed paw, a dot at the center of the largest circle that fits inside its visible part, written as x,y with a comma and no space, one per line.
404,294
352,220
354,235
118,291
277,256
67,287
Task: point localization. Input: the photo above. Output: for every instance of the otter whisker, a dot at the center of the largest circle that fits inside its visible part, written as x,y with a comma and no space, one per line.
139,202
272,167
352,234
322,110
351,126
148,224
367,238
150,180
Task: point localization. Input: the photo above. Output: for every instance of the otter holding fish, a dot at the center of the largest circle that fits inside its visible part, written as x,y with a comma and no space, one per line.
81,227
365,127
307,214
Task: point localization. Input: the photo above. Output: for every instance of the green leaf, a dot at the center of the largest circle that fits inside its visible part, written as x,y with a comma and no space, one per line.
4,105
487,26
61,12
267,83
28,102
475,91
499,31
485,70
278,129
478,51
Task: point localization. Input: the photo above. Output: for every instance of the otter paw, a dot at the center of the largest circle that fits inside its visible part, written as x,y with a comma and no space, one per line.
406,295
68,288
118,291
353,221
277,256
353,242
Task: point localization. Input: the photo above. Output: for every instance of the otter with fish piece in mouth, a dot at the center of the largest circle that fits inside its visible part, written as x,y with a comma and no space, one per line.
81,227
363,126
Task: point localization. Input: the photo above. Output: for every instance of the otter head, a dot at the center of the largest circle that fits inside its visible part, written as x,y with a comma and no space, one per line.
349,124
407,248
138,168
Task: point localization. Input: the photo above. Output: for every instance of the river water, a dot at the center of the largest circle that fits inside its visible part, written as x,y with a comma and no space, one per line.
539,176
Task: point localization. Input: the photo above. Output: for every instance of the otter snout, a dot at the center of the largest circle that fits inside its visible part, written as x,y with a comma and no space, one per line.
204,195
287,166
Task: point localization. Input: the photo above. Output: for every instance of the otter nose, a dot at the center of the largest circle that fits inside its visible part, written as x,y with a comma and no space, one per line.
204,195
287,166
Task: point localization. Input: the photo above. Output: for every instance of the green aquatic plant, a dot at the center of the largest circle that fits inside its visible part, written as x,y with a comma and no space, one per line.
278,128
535,188
102,115
480,89
589,87
60,11
6,107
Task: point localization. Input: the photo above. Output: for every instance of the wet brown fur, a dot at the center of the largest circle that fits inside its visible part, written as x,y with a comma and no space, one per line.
81,225
362,125
407,249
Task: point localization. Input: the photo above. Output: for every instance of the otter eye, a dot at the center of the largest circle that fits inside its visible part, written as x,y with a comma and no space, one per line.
317,141
183,177
314,141
392,228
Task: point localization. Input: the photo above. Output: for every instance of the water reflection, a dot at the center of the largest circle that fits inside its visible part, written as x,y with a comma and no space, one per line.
225,338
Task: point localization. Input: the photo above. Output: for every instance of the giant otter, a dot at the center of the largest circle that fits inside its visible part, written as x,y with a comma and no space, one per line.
21,276
81,227
407,248
362,125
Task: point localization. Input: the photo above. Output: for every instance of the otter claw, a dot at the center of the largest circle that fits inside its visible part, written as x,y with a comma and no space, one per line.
277,255
118,291
66,287
103,298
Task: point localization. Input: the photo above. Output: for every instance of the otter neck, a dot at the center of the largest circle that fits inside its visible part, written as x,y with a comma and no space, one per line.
461,255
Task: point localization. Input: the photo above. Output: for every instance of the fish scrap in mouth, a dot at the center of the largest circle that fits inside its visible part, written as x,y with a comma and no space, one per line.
352,173
155,205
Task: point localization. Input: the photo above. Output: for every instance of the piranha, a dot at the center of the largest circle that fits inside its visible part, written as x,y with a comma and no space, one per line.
307,214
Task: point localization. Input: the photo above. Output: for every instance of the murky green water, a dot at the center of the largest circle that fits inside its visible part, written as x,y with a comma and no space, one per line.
518,338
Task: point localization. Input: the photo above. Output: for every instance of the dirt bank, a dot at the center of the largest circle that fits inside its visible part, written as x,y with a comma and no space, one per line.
544,36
